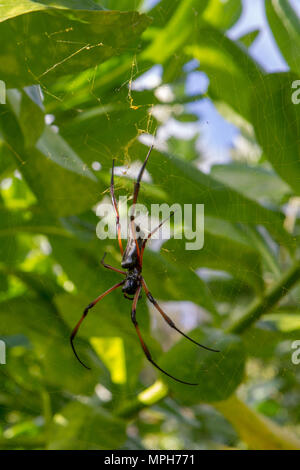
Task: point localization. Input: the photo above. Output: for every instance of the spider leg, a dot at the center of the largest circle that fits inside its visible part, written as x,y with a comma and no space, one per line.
135,196
115,205
143,344
138,181
152,233
86,310
169,321
108,266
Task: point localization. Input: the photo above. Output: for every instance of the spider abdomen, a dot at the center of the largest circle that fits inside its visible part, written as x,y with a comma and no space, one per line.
132,282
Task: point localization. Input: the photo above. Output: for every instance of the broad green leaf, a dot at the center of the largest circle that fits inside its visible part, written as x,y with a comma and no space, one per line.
264,247
43,284
285,321
62,183
180,281
177,33
279,131
80,426
222,14
10,9
112,353
121,4
7,163
3,282
14,222
70,40
219,253
30,115
64,192
163,11
56,149
212,371
74,91
285,27
255,182
228,66
257,431
249,38
39,322
119,124
185,184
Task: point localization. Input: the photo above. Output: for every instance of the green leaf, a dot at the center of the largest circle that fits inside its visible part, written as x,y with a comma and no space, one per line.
184,183
257,431
30,115
178,31
82,427
285,27
222,14
62,183
219,252
180,281
14,222
61,40
249,38
279,131
212,371
229,67
255,182
7,163
39,321
119,124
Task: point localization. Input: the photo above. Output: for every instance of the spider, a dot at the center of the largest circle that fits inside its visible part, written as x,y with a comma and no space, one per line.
132,262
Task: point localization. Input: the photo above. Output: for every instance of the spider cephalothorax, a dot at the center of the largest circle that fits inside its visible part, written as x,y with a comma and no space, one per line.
132,261
132,281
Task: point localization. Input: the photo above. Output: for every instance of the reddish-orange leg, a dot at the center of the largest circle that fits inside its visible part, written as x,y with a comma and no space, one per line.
168,319
108,266
143,344
115,205
74,332
135,196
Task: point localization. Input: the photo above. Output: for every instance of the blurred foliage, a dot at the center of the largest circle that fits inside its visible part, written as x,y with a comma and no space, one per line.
73,103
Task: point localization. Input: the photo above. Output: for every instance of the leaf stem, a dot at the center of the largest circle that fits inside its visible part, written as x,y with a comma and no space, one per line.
263,305
148,397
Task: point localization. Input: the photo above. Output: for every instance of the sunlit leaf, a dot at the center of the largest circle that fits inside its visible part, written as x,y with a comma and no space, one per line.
79,426
212,371
58,33
279,131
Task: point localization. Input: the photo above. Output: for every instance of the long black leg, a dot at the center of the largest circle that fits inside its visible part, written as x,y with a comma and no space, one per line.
138,180
152,233
169,321
115,205
135,196
108,266
74,332
143,344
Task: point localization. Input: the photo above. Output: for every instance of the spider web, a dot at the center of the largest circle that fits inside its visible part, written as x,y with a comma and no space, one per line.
39,255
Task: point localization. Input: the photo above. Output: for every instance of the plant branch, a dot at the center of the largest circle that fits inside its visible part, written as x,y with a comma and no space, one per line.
150,396
257,431
263,305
